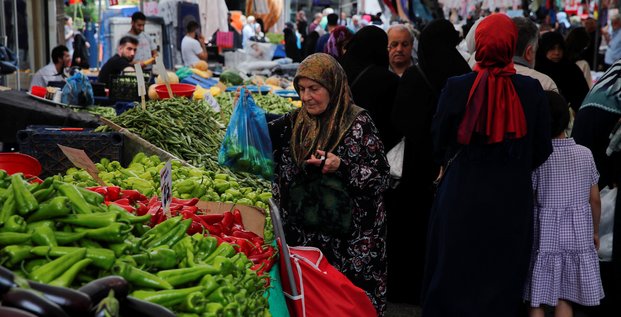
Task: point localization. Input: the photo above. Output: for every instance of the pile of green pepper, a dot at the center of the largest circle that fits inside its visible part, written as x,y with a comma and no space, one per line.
143,174
64,235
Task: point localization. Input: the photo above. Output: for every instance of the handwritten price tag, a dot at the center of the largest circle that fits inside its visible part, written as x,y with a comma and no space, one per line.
212,102
80,159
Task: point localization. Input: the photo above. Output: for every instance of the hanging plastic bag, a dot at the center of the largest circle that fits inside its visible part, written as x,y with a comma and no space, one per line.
247,146
78,91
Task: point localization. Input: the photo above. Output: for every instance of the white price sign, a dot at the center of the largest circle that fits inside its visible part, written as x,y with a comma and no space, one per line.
166,187
140,77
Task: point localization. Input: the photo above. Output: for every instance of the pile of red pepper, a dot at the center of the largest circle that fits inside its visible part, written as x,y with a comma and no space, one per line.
226,227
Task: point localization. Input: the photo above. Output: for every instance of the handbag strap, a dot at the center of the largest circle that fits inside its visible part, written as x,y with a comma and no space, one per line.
359,76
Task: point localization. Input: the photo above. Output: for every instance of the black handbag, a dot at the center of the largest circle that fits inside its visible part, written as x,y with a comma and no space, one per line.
320,202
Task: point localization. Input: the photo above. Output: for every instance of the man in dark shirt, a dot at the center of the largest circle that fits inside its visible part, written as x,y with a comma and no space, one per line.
333,19
121,60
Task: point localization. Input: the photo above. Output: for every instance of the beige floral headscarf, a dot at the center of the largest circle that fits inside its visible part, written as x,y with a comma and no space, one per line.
325,131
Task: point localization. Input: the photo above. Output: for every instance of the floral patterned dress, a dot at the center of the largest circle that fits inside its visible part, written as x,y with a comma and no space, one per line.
362,255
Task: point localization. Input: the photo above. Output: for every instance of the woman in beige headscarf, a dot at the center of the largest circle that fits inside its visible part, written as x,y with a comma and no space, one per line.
331,138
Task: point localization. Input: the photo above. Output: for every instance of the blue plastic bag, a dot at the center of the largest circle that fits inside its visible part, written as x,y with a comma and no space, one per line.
78,91
247,146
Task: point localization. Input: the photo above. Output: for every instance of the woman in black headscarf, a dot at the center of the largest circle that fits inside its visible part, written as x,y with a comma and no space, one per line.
372,85
415,105
291,43
552,61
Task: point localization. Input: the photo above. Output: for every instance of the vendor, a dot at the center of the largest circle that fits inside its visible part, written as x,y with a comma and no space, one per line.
193,45
146,51
120,61
54,70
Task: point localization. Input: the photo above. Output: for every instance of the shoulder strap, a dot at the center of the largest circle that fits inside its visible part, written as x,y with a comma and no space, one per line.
359,76
422,74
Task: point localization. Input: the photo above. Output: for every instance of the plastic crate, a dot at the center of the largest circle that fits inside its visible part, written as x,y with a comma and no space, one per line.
42,144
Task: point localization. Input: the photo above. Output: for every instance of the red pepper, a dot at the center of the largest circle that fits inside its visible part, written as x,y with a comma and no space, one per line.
133,195
129,208
217,237
237,217
237,227
227,220
100,190
114,193
195,227
244,234
192,209
211,218
245,246
142,209
122,201
175,207
187,202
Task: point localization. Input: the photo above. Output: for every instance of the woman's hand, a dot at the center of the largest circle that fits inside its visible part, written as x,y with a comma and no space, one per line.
327,162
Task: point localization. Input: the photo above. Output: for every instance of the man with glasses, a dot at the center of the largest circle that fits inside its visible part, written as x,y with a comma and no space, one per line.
400,45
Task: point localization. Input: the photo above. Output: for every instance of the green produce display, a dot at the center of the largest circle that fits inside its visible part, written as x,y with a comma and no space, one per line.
107,112
231,78
143,174
271,103
163,265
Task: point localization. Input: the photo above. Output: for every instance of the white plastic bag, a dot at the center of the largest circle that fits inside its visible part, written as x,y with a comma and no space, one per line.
395,159
608,199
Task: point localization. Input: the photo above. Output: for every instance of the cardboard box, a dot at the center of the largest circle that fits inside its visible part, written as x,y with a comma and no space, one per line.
253,218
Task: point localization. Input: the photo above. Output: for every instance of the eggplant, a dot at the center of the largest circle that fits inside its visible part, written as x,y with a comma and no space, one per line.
132,306
99,288
32,302
14,312
6,280
72,302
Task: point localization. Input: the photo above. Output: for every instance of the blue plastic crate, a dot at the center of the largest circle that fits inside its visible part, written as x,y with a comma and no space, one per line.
42,143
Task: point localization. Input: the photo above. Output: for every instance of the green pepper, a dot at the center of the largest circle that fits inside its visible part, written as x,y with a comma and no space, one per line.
265,197
185,186
26,202
102,258
91,197
119,248
55,207
204,246
178,277
221,185
96,220
66,279
52,270
236,194
194,302
245,201
88,243
10,238
128,217
221,294
77,201
210,283
64,238
44,235
15,223
224,249
13,254
185,250
33,265
44,194
213,310
161,258
188,315
221,176
171,237
115,232
160,229
139,277
9,207
168,298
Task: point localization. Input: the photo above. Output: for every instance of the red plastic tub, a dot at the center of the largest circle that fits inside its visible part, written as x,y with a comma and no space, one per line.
178,90
20,163
38,91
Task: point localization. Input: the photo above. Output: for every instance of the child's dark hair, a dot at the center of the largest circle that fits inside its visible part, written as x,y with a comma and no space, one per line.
559,113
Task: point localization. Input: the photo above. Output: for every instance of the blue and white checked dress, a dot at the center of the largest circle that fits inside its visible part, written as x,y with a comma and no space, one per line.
564,262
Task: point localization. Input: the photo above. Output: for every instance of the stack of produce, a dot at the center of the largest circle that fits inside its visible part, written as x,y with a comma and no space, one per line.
143,174
269,102
64,235
187,129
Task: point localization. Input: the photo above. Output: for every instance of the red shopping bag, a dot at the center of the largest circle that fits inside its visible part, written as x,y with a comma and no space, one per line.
321,289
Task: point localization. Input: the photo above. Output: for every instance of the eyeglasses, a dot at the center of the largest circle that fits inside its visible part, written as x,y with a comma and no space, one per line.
394,45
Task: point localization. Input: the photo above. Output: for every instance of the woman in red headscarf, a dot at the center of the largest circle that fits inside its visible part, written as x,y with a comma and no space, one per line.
490,131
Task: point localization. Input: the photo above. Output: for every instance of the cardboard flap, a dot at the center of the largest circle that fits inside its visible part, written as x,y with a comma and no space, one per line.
253,218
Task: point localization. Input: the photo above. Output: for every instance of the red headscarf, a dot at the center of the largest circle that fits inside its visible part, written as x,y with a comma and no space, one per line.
494,109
